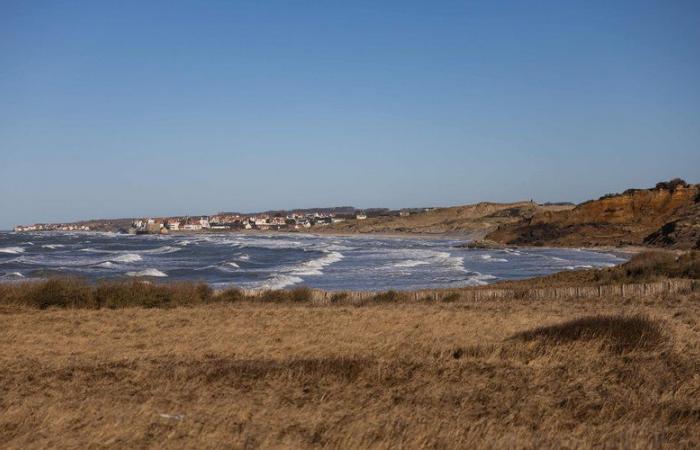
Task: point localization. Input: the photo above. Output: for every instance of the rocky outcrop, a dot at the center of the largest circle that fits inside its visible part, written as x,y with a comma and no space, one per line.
666,215
682,233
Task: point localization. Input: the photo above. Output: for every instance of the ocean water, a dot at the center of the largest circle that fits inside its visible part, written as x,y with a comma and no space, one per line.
278,260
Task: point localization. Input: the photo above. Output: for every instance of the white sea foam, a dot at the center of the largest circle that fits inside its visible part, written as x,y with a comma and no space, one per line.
488,257
479,279
12,250
454,262
410,263
106,265
151,272
244,257
15,275
128,258
412,257
315,266
233,264
163,250
53,246
95,250
280,281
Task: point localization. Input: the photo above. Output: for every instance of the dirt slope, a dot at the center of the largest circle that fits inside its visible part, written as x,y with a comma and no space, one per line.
663,216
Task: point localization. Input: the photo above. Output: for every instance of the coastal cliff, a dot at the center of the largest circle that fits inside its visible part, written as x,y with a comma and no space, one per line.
665,216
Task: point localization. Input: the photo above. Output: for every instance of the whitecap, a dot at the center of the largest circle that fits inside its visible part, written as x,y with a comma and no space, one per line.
128,258
53,246
163,250
488,257
233,264
147,273
244,257
315,266
280,281
479,279
12,250
410,263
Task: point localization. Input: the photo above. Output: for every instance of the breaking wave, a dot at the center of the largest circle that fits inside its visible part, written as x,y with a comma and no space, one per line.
151,272
12,250
410,263
315,266
53,246
162,250
280,281
488,257
128,258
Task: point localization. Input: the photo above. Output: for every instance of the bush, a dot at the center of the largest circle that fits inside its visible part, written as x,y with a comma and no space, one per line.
672,185
232,295
77,293
451,297
339,297
60,292
617,333
389,296
300,294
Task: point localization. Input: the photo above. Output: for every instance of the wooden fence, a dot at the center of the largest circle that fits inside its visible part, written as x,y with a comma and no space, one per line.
476,294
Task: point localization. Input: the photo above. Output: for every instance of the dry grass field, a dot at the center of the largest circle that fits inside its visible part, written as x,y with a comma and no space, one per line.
622,373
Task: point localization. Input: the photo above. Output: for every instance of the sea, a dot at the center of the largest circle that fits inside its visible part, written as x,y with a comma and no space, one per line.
279,260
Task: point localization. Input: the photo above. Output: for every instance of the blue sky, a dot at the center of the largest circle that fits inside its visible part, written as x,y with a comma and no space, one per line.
114,109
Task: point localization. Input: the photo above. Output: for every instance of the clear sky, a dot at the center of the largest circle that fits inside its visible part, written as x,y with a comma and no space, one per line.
121,108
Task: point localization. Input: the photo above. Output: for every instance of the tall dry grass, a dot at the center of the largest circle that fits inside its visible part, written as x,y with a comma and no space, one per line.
614,373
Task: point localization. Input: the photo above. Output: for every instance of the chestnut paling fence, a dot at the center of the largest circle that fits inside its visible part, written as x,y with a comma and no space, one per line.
480,293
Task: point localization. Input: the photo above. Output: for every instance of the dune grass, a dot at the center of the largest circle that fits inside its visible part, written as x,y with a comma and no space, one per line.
610,373
648,266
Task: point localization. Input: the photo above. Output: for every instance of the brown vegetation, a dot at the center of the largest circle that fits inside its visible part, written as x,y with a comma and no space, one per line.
80,366
647,266
476,218
492,374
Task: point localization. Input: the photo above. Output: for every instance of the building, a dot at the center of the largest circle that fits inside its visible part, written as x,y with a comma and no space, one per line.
361,216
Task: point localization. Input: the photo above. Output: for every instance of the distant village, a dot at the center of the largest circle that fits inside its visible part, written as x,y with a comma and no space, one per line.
287,221
222,222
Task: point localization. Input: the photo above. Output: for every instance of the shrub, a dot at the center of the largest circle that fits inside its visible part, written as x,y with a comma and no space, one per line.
672,185
301,294
451,297
232,295
60,292
616,333
339,297
390,296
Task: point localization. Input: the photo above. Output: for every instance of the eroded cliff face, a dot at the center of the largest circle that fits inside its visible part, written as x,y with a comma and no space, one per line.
624,219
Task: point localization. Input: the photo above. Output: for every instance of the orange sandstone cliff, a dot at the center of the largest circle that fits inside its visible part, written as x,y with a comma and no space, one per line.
667,216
